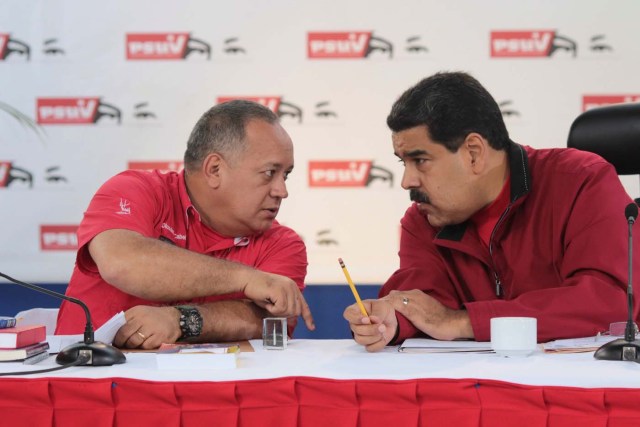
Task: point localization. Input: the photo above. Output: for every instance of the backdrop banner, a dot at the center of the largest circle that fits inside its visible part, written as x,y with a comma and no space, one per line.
93,88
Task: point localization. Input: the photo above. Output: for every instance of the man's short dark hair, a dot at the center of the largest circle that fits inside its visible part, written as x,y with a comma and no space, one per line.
451,105
222,130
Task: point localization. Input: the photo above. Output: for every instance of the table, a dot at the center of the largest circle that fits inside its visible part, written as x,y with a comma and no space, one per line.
335,383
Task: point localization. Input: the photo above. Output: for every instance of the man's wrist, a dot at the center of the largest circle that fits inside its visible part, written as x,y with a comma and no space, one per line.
464,325
396,334
190,322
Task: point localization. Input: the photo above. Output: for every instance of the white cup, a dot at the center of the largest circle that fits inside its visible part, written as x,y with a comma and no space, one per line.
514,336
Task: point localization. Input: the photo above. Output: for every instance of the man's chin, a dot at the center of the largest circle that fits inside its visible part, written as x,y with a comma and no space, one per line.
262,227
439,222
435,221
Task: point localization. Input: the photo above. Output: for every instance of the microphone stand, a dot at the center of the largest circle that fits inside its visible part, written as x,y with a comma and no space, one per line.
627,348
97,353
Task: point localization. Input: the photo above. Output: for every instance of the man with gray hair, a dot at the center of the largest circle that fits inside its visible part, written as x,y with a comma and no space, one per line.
195,255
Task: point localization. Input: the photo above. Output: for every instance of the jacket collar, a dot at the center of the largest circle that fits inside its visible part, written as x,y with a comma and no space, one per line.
520,187
519,170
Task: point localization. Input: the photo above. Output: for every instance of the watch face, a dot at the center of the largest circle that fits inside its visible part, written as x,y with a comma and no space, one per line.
190,322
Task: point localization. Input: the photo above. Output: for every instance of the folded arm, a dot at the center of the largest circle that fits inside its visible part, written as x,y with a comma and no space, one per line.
157,271
223,321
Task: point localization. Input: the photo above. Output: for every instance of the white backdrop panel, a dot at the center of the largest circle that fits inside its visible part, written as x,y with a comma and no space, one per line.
334,109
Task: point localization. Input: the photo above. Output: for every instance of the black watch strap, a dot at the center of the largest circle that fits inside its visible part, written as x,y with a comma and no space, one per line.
190,321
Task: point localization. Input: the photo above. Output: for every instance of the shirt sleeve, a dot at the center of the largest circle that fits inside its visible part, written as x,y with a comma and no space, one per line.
126,201
286,256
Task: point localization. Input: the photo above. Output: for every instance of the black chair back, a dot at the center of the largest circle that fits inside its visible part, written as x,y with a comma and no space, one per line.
613,132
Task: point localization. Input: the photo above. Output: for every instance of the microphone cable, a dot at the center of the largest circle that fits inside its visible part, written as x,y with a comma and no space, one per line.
82,359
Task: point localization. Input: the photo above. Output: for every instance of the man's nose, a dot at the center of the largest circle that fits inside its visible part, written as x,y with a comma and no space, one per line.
279,189
409,179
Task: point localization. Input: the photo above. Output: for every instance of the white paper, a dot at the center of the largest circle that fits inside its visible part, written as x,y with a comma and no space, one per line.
579,343
107,332
427,345
39,316
104,333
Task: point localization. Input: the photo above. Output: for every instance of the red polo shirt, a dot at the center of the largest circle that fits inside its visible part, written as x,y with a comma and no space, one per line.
486,219
157,205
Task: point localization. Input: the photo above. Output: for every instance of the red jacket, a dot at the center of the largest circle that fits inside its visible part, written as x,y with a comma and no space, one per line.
559,252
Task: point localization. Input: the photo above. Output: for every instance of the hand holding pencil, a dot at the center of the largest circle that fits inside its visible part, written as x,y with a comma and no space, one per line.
374,328
353,288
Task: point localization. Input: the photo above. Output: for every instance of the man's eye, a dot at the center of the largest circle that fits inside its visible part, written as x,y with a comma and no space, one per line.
270,173
286,175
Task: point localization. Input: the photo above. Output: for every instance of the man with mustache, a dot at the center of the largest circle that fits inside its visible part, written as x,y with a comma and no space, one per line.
496,228
195,255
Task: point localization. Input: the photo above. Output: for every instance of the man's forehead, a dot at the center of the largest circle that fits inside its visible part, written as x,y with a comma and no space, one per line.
417,132
411,142
411,153
277,165
272,157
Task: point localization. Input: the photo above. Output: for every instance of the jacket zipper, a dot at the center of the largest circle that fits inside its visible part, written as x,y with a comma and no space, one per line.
499,290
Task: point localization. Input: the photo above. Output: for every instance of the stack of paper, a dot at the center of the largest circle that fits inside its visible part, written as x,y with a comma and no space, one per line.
197,356
577,345
425,345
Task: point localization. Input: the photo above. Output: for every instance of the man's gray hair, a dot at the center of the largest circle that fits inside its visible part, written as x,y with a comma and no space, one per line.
222,130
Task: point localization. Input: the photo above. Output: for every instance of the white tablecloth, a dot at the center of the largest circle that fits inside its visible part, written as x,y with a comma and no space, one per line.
344,359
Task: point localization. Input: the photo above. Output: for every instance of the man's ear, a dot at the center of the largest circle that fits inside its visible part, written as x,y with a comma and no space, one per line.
477,148
212,169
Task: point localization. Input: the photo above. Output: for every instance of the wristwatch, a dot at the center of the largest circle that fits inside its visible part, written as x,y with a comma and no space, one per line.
190,321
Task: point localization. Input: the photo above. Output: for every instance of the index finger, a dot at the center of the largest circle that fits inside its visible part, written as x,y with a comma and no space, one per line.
306,314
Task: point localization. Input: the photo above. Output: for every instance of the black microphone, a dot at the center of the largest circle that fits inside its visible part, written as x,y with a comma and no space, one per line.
97,353
627,348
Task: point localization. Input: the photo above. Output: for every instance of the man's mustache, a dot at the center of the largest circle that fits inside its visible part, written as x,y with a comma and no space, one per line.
418,196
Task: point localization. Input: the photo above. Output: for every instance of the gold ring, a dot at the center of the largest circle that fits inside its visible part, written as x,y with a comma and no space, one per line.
405,301
141,335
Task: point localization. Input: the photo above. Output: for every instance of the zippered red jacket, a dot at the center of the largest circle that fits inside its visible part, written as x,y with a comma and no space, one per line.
559,253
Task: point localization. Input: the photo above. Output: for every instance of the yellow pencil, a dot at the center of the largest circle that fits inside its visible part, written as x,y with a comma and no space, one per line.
353,288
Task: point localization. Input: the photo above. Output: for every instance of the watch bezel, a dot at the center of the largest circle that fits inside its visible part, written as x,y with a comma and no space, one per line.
190,321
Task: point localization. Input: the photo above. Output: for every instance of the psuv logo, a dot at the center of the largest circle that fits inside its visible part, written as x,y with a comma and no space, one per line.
530,44
347,173
87,110
10,46
595,101
155,165
271,102
284,109
346,45
165,46
9,173
274,103
58,237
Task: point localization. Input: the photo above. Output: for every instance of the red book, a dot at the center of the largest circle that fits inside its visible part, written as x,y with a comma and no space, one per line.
22,336
24,352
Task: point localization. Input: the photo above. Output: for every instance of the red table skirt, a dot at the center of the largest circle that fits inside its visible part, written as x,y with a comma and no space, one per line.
308,401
